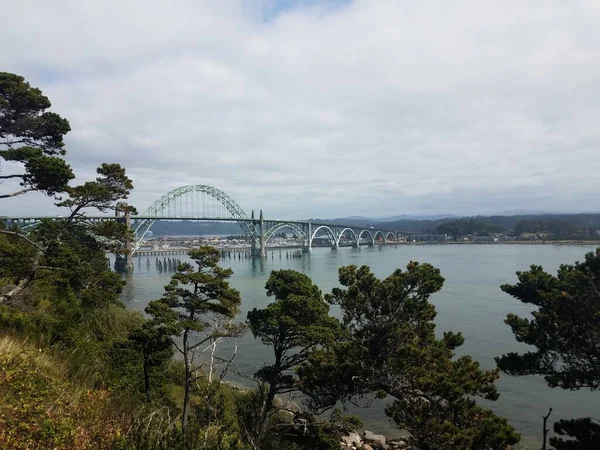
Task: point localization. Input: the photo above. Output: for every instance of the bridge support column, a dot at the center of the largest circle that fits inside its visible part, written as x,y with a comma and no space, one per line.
336,241
356,244
263,247
308,247
337,234
120,264
128,244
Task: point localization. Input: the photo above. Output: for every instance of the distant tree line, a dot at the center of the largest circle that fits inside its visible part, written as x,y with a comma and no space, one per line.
556,228
471,226
551,226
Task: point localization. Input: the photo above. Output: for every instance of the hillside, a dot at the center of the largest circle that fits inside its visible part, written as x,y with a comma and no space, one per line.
40,407
557,225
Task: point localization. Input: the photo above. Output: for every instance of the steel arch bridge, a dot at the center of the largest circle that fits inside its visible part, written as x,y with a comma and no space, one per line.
202,202
206,203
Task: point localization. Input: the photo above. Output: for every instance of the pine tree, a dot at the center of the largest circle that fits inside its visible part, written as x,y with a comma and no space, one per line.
565,330
196,313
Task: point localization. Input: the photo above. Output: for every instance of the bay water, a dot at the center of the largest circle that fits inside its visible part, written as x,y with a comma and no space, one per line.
470,301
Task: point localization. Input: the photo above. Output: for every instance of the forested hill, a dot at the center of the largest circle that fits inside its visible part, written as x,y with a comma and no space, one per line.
557,225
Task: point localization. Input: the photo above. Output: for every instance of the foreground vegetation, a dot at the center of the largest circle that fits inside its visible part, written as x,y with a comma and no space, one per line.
78,370
41,406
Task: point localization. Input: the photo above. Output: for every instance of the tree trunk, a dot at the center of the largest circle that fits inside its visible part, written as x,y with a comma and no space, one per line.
264,420
268,405
188,383
270,397
147,377
544,429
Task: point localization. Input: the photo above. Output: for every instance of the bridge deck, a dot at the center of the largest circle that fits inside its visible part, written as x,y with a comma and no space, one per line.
214,219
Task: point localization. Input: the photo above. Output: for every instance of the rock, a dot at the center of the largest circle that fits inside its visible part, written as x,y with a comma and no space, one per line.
293,407
377,441
367,447
352,439
398,445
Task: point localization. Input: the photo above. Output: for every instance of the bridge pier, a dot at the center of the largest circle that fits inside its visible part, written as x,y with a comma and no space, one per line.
128,243
308,229
121,264
261,227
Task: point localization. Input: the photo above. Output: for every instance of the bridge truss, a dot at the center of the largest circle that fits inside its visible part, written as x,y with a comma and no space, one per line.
199,202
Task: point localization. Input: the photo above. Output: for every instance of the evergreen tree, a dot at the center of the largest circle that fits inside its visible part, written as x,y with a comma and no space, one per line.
31,137
46,243
111,186
389,348
198,307
156,349
565,330
294,325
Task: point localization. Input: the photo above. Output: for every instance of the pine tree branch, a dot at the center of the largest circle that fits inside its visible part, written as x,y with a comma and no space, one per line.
14,194
25,281
10,143
22,236
6,177
199,343
228,363
50,268
175,345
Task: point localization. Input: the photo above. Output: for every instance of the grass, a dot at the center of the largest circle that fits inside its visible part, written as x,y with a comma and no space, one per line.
45,404
41,407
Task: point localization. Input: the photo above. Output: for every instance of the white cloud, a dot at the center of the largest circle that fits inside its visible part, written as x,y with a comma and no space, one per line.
373,107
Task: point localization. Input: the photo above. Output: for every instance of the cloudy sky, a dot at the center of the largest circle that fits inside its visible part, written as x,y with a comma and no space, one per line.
324,108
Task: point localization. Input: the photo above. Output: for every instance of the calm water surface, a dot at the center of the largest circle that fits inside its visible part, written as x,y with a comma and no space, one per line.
470,301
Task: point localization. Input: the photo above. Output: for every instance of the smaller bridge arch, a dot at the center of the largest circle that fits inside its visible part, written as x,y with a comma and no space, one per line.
329,231
292,226
379,233
390,236
370,236
352,233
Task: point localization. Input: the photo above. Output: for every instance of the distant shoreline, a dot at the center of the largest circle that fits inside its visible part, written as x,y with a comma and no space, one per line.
363,244
562,242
